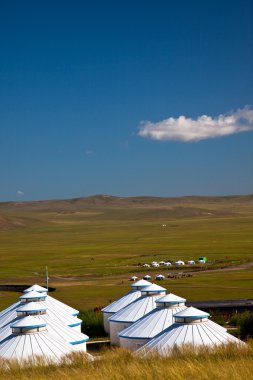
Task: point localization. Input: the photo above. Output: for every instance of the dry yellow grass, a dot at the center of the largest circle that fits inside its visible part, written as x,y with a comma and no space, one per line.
220,364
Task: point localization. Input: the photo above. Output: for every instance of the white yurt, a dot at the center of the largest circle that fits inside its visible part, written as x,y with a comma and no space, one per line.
123,301
29,339
137,309
179,262
51,302
153,323
160,277
54,310
54,326
191,327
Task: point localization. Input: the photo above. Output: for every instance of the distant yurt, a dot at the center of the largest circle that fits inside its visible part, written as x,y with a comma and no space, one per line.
191,327
137,309
153,323
30,340
160,277
123,301
147,277
54,326
179,262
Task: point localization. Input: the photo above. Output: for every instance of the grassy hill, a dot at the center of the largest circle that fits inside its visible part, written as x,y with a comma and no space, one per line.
96,242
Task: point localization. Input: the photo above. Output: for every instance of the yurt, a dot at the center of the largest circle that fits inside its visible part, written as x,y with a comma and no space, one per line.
55,310
29,339
54,326
160,277
153,323
123,301
191,327
137,309
51,300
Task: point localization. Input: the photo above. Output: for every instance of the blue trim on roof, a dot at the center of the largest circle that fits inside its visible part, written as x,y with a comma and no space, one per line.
191,316
30,311
75,324
142,338
27,327
79,342
75,314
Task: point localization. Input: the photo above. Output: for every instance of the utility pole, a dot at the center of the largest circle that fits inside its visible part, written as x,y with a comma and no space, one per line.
47,278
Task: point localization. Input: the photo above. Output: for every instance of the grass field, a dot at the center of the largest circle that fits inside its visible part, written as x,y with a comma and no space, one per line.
228,363
91,247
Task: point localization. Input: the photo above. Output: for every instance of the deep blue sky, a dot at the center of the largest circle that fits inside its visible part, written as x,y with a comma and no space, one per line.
78,77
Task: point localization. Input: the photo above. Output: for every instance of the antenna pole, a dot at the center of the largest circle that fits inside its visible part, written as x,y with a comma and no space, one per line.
47,278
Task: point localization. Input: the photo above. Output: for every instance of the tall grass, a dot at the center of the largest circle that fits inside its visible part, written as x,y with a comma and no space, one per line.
245,323
92,324
222,363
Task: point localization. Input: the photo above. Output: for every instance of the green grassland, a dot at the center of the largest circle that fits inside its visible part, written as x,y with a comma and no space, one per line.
92,245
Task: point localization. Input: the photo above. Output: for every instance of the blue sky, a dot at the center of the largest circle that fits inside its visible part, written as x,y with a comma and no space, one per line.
87,90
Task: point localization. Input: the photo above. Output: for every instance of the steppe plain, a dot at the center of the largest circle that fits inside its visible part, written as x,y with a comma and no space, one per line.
93,245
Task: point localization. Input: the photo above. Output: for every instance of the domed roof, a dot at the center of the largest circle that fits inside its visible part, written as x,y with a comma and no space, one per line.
30,307
36,288
135,310
140,284
28,322
123,301
191,312
151,324
170,299
32,294
195,334
153,288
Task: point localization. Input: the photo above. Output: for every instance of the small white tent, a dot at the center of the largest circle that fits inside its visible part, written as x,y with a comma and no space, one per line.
191,327
134,311
123,301
147,327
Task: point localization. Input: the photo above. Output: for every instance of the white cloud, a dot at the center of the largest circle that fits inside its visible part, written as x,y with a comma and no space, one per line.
19,192
204,127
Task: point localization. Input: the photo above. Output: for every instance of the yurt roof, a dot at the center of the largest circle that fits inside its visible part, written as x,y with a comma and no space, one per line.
140,284
31,306
27,322
55,328
32,294
31,346
153,288
135,310
203,333
150,324
123,301
53,312
170,298
52,303
192,312
36,288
